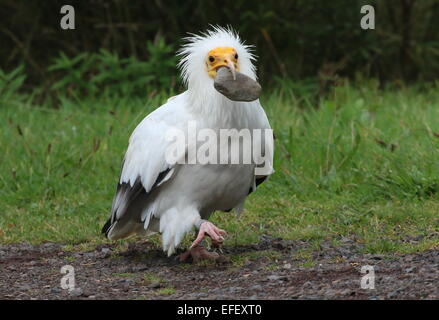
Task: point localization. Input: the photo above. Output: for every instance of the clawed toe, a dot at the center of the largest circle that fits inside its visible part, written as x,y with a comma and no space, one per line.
198,253
217,246
209,229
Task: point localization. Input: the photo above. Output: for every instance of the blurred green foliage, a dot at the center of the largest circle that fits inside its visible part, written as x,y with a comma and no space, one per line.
296,39
10,83
106,73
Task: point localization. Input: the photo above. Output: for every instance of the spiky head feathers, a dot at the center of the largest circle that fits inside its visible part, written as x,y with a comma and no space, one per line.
194,62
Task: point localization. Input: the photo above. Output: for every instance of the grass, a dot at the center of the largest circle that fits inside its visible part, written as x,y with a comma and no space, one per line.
151,278
123,275
239,260
362,163
165,291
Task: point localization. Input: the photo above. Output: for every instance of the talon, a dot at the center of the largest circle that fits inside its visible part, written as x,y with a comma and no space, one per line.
216,244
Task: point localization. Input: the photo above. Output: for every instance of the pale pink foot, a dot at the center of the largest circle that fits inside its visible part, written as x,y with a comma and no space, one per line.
209,229
198,253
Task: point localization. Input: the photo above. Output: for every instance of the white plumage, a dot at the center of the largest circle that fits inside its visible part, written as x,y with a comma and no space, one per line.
154,195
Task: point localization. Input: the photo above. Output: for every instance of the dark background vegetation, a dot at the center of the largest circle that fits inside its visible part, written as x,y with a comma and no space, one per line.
134,41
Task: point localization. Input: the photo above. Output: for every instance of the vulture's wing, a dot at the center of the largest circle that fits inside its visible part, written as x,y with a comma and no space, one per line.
267,148
145,165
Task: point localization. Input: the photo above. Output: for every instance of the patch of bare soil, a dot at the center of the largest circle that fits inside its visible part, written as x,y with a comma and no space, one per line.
271,269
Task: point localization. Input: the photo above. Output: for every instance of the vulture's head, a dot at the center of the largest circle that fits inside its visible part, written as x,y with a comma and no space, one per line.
218,59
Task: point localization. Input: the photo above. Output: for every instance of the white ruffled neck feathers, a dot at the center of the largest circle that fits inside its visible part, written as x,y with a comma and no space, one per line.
201,92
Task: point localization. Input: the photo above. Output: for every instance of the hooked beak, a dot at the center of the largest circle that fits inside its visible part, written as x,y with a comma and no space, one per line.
231,66
227,63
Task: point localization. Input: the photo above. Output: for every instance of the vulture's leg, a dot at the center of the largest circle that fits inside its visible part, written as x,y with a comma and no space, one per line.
198,252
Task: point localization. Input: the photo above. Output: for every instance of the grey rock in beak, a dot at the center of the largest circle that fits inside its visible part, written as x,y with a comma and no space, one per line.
242,88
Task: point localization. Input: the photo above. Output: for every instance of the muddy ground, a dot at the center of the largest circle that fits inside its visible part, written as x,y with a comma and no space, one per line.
271,269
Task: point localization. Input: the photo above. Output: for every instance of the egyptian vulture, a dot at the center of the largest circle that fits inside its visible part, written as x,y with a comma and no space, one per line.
166,186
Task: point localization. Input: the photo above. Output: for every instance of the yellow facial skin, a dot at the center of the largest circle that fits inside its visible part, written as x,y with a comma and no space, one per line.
221,57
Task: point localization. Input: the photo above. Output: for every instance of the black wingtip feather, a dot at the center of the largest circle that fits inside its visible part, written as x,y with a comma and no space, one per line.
106,227
132,191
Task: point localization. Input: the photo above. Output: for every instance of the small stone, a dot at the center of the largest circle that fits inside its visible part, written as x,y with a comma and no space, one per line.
199,294
24,287
410,270
55,290
347,292
77,292
243,88
90,254
345,240
328,293
126,281
155,285
235,289
139,268
392,294
275,277
287,266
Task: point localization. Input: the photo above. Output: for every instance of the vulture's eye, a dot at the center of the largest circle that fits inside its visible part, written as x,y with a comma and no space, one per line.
236,56
211,59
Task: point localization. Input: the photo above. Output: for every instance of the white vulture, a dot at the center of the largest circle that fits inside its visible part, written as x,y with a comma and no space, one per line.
172,197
